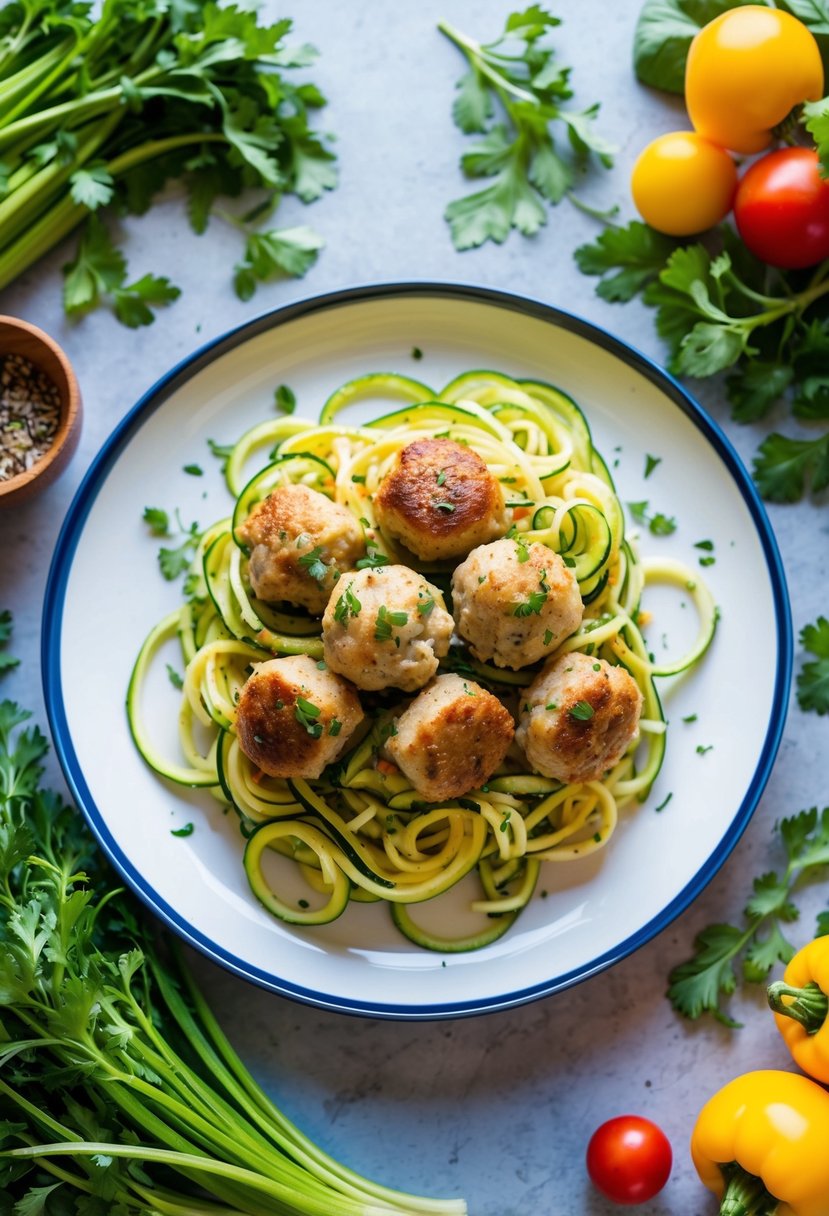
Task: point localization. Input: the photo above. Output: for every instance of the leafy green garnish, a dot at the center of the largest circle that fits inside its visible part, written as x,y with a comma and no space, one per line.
385,621
120,1094
306,714
513,92
314,565
110,102
347,605
532,605
699,985
658,523
582,711
721,310
285,399
172,561
813,677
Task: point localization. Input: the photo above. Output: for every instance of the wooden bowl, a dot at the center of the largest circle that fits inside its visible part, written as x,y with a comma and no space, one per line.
20,338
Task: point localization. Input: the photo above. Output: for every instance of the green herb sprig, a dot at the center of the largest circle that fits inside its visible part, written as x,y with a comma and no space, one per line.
813,677
119,1091
513,94
721,951
101,107
723,310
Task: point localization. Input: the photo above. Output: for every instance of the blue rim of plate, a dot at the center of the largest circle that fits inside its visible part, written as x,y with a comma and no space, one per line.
94,479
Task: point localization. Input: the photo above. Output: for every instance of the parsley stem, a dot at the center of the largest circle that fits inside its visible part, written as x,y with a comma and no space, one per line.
477,57
808,1005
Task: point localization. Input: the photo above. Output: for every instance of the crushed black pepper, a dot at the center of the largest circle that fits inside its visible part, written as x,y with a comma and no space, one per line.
29,414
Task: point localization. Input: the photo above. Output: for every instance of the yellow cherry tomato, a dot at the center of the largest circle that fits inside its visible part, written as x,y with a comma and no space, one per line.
746,71
683,184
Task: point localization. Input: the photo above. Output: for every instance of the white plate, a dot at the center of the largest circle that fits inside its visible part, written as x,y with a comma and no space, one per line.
104,594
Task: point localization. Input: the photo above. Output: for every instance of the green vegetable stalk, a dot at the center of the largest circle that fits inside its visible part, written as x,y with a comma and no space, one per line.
119,1092
99,112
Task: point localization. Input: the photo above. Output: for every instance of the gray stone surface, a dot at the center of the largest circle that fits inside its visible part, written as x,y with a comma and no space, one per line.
498,1108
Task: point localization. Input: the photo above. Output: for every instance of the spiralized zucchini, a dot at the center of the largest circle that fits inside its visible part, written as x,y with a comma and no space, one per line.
361,832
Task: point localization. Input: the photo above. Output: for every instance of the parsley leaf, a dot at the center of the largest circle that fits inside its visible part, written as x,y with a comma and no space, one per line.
532,605
314,565
277,254
98,273
724,952
813,677
511,95
636,254
384,622
783,466
158,520
658,524
7,661
172,561
307,713
285,399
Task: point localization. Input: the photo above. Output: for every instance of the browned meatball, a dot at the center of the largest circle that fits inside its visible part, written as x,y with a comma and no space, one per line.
578,718
292,719
300,542
440,499
451,738
515,602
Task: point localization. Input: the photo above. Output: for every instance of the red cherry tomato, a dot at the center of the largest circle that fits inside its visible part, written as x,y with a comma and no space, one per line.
782,209
629,1159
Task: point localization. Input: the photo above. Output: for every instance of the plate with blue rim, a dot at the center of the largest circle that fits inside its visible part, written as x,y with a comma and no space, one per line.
585,915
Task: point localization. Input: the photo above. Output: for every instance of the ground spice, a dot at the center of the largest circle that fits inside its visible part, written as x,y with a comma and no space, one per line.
29,414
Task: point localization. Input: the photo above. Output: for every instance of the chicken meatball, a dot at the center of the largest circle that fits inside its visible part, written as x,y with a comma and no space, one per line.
515,602
386,628
578,718
440,499
299,542
292,719
451,738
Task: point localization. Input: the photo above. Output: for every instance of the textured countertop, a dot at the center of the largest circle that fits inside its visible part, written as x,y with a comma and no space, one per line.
499,1107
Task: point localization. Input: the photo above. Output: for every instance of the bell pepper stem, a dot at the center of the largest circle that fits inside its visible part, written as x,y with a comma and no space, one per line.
808,1005
745,1194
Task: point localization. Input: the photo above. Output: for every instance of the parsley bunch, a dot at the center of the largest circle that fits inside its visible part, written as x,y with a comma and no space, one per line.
119,1092
699,985
719,309
103,111
512,94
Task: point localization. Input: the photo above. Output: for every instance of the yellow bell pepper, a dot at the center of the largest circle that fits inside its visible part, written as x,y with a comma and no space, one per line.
762,1145
800,1006
746,71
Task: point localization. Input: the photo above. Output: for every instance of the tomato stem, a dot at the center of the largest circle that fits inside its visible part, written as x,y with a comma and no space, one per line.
808,1005
745,1194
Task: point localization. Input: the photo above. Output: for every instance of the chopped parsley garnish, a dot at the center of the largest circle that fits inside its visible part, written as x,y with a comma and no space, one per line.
690,718
335,726
445,506
417,353
548,636
306,714
158,521
187,830
664,802
373,558
359,478
532,605
658,524
285,399
195,470
441,477
347,605
174,562
650,463
701,750
708,560
523,549
314,564
551,705
708,545
425,607
385,621
174,678
222,451
582,711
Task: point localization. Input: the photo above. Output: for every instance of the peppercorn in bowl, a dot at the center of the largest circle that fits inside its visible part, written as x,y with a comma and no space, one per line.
40,410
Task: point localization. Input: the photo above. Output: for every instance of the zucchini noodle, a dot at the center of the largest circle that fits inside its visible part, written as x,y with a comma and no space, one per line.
361,831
